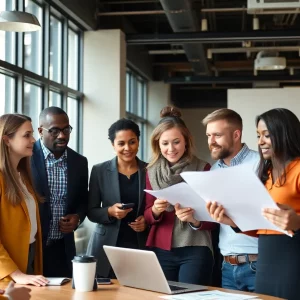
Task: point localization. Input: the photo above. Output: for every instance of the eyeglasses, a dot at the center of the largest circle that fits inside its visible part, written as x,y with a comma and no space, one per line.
54,132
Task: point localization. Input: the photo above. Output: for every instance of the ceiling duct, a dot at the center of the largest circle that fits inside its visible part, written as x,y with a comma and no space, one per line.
183,19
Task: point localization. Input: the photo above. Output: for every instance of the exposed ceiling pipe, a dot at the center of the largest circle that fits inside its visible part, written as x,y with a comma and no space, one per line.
163,52
229,50
130,13
232,79
257,12
252,49
231,9
222,65
212,37
129,2
187,22
243,69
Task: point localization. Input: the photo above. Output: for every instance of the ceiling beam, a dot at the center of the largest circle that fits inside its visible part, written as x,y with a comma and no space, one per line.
232,79
252,49
212,37
251,11
129,2
130,13
233,65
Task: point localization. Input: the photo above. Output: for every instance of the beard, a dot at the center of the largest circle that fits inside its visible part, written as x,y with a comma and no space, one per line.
222,153
58,148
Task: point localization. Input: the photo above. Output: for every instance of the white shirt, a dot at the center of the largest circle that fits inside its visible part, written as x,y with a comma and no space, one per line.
31,207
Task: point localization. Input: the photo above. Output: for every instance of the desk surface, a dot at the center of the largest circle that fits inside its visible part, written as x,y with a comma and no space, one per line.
107,292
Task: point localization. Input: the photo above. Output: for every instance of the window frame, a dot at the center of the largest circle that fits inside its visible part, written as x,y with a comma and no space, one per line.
17,70
132,106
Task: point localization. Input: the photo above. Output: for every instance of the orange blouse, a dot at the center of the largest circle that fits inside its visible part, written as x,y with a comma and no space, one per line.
289,193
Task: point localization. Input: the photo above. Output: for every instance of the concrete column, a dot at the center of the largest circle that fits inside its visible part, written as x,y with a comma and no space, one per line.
104,69
104,84
158,97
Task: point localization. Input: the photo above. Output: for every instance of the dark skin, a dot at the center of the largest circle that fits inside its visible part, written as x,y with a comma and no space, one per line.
58,145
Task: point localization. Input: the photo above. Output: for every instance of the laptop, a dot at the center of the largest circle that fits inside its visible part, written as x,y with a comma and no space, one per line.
140,269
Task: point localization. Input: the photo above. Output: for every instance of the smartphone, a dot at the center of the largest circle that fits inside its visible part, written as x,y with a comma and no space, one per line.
103,281
127,205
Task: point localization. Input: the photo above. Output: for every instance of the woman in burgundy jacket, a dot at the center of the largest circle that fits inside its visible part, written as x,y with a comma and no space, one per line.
182,244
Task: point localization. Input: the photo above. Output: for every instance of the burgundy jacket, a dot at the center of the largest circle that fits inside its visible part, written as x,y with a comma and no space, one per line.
160,234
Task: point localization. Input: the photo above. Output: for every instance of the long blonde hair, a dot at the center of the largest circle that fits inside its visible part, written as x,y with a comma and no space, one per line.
9,125
170,118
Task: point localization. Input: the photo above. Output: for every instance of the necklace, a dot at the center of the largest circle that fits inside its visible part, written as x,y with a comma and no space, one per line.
128,176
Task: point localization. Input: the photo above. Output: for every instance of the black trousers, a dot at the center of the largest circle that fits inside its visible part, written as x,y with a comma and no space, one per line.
278,266
190,264
55,260
31,255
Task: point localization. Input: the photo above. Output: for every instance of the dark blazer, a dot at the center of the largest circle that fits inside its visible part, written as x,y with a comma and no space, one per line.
104,191
77,191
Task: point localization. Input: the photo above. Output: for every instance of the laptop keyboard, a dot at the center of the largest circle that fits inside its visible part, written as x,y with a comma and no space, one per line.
176,288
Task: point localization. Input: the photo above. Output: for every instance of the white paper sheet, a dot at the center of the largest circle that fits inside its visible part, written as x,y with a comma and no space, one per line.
57,280
183,194
209,295
240,192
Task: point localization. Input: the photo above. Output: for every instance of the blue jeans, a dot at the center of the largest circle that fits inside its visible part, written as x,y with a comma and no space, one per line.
192,264
239,277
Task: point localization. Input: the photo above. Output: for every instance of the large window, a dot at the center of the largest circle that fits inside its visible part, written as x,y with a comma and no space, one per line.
55,67
55,99
33,104
72,111
41,69
136,103
8,39
33,40
73,51
7,93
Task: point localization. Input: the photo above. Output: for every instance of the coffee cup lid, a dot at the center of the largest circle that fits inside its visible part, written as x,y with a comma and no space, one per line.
84,259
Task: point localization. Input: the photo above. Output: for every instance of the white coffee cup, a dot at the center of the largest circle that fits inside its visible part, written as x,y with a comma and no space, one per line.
84,271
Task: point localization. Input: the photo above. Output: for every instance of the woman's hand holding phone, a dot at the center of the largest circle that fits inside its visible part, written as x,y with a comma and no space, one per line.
127,205
117,212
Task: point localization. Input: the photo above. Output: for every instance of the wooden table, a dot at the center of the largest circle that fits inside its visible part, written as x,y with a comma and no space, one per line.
105,292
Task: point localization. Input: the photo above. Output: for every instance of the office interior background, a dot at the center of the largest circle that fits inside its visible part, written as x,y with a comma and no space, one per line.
107,59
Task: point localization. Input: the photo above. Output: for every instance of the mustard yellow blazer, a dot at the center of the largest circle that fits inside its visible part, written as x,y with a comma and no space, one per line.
15,235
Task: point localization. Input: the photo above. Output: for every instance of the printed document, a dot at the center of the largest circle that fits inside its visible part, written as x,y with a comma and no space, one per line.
183,194
237,188
209,295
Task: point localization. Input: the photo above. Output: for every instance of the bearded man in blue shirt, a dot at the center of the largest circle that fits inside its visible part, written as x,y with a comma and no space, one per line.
224,133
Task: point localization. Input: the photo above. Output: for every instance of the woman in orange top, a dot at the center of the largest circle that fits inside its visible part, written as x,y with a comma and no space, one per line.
278,265
20,230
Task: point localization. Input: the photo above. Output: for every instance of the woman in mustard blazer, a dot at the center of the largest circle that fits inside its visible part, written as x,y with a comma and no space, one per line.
15,293
20,229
